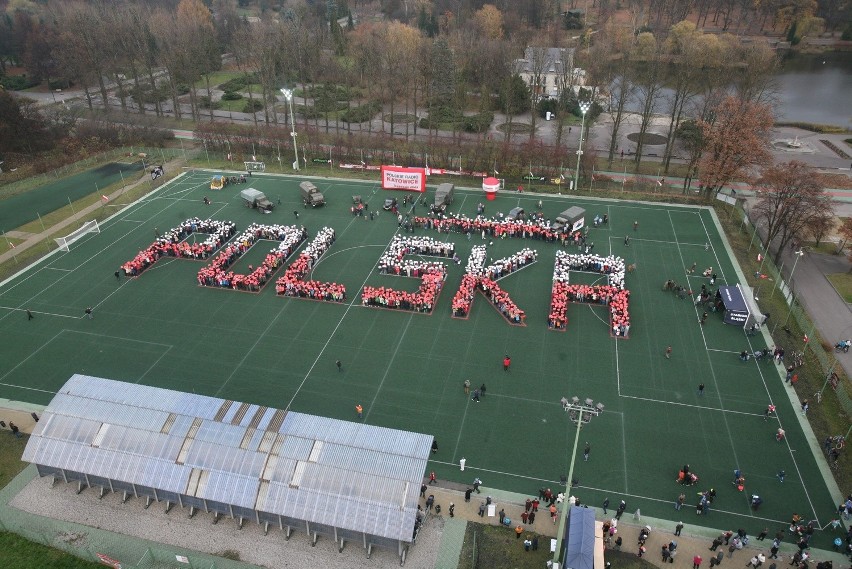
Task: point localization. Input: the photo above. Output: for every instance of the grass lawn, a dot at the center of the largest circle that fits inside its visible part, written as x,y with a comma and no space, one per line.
19,553
842,283
487,546
217,79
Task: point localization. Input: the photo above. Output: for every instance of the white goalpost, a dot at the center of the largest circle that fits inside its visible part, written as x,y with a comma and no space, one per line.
64,243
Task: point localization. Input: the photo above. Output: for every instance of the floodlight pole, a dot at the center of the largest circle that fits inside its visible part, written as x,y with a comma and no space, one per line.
580,410
288,94
584,107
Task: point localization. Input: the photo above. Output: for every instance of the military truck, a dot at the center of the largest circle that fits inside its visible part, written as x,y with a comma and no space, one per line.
443,197
572,219
311,195
256,199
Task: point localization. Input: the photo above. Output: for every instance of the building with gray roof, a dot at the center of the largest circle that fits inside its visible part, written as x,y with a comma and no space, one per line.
348,481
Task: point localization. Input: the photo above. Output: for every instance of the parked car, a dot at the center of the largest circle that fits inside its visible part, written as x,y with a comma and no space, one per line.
515,213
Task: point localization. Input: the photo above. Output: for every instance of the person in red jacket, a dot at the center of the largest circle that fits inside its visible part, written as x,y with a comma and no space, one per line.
507,361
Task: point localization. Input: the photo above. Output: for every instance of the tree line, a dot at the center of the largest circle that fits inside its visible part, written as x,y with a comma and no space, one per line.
450,65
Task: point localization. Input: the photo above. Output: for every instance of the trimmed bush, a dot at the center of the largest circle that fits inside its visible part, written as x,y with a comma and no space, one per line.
253,106
478,123
231,96
361,114
239,83
17,82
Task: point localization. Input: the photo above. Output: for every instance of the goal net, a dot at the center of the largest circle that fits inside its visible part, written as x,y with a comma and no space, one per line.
88,227
255,166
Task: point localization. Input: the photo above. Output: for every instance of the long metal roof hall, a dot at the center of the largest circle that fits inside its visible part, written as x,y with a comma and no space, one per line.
349,481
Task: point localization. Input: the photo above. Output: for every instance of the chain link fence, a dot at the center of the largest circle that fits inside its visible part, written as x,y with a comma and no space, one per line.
108,548
790,330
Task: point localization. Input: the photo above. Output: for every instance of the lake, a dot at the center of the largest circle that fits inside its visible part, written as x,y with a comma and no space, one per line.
816,89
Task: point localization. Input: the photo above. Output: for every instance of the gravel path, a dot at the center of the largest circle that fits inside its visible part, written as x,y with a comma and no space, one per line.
132,519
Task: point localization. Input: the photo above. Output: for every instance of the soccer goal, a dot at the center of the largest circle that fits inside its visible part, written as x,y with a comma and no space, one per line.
88,227
255,166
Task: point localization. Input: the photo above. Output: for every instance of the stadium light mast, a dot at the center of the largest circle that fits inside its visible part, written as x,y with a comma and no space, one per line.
288,94
584,108
580,414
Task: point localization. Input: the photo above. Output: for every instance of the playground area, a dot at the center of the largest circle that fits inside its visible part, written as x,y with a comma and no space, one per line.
406,369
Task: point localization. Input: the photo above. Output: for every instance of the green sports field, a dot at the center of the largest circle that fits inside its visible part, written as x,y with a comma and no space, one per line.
23,208
407,369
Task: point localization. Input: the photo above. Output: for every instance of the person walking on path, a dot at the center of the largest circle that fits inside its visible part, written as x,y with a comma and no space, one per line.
524,516
476,483
717,541
432,478
696,562
339,365
482,509
718,559
467,494
452,510
502,515
29,315
423,489
359,410
507,361
586,450
605,505
467,387
668,352
678,528
15,430
532,517
700,389
527,505
553,513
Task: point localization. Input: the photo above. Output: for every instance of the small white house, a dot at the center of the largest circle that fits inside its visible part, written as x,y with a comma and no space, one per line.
549,70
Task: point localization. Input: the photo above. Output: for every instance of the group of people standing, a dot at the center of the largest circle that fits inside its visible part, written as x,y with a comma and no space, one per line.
216,274
172,244
293,283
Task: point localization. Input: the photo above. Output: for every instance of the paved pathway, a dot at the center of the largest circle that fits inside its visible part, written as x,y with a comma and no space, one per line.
692,541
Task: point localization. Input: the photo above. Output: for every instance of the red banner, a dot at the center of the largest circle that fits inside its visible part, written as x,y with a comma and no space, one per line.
407,179
108,561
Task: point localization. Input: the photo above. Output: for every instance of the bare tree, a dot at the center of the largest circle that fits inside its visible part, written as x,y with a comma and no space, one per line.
791,197
647,71
609,66
735,139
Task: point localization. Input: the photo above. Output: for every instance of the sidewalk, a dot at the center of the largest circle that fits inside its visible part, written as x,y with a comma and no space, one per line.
692,541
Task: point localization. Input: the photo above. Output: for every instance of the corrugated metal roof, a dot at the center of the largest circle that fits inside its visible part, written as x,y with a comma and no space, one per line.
358,477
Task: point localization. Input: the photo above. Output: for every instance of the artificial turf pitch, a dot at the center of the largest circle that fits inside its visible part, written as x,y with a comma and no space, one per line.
407,369
23,208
